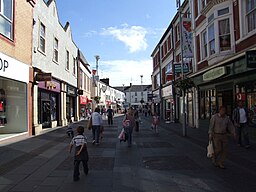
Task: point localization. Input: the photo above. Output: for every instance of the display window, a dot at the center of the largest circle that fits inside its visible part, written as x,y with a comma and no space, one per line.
13,106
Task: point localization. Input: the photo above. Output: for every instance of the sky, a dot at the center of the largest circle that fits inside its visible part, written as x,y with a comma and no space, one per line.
123,33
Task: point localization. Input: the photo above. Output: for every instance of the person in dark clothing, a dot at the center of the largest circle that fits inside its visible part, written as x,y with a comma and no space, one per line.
137,120
110,114
81,154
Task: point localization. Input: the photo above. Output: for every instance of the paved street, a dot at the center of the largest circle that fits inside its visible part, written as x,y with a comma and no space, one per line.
168,162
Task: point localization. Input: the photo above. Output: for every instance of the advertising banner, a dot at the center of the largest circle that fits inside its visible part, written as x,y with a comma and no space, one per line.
187,44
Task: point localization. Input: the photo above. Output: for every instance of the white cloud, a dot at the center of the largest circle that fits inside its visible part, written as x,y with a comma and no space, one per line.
126,71
89,33
134,37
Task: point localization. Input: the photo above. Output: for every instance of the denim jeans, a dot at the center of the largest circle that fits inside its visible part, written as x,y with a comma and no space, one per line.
129,134
96,133
243,131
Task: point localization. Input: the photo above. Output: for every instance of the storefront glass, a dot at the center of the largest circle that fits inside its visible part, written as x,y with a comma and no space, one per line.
13,106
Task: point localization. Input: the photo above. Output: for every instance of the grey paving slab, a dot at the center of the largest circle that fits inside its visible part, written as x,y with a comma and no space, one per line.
5,187
26,185
46,189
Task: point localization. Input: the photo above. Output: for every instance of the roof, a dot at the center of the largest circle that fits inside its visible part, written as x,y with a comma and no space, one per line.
134,88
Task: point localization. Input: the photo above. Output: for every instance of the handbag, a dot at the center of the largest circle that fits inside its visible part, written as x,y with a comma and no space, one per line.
210,150
89,124
126,123
122,136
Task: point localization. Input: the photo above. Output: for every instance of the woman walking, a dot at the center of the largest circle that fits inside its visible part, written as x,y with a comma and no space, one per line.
96,125
129,124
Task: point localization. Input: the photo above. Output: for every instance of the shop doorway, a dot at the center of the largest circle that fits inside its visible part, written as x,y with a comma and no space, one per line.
225,98
46,113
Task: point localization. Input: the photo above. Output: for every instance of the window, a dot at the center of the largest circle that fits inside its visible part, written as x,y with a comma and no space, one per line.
135,93
211,39
223,11
251,14
177,33
224,35
74,65
67,60
6,18
204,44
203,3
42,38
56,52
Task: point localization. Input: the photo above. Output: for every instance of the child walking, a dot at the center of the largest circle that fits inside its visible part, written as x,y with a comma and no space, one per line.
70,131
81,154
155,123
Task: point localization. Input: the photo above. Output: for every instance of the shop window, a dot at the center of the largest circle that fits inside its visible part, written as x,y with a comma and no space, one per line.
211,39
13,106
204,44
42,37
6,18
251,14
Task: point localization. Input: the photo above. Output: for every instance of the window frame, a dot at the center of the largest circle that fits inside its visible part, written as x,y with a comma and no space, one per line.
204,44
41,37
55,50
8,20
67,60
247,13
226,34
74,65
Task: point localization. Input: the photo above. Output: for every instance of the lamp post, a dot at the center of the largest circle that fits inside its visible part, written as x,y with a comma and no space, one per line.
184,126
141,76
97,57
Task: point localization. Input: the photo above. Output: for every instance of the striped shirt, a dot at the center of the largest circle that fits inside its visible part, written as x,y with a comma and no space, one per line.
79,140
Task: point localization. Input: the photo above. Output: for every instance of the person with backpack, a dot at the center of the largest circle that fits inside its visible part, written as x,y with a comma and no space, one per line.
110,114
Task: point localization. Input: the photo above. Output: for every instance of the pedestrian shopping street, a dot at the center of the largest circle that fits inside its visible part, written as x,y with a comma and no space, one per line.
167,162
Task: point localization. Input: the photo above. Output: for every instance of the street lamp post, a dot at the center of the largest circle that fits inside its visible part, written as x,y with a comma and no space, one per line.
141,76
97,57
184,126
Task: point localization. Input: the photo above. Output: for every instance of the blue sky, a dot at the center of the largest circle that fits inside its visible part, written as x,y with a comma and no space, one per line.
123,32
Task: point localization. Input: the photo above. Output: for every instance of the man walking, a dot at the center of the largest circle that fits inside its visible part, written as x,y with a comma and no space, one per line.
220,126
241,119
110,114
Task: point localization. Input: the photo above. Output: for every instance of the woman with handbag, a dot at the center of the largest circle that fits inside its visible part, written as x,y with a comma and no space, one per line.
129,124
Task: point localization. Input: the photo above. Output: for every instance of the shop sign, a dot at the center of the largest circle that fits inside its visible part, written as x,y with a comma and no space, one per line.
83,100
71,90
43,77
187,35
177,68
52,85
167,91
13,69
214,73
251,59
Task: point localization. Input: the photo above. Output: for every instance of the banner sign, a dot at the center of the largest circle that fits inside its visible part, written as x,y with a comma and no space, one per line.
187,43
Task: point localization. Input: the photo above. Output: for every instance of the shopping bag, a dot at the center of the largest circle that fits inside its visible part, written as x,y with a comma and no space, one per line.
210,150
89,124
122,136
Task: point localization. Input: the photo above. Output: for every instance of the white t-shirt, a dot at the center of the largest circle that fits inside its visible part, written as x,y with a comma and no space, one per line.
79,140
243,118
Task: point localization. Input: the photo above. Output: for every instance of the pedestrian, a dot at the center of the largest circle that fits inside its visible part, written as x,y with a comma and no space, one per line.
70,130
129,124
155,123
219,128
137,120
97,123
241,119
81,154
110,114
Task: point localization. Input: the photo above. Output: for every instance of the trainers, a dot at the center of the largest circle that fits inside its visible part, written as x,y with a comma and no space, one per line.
93,142
222,166
247,146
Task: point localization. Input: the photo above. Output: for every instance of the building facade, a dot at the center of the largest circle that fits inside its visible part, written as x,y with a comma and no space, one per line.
16,81
222,69
84,86
54,61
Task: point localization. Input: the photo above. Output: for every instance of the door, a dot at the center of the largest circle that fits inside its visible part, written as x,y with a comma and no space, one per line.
225,98
46,114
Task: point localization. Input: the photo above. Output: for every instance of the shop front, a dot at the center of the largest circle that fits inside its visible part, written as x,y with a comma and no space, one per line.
71,102
49,103
85,106
156,102
225,85
14,79
168,106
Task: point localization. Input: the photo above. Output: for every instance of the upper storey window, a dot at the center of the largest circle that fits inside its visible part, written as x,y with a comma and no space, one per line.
6,18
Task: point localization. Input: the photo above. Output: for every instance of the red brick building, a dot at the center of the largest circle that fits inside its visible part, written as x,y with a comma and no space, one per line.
16,23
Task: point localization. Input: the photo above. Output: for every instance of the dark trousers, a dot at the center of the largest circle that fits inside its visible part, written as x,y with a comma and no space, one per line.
110,120
76,168
96,133
129,136
243,131
137,125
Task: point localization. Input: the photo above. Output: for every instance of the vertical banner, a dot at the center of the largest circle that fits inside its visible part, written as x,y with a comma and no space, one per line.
187,43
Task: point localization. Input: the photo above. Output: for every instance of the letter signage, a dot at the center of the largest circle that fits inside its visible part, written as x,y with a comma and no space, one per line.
214,73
